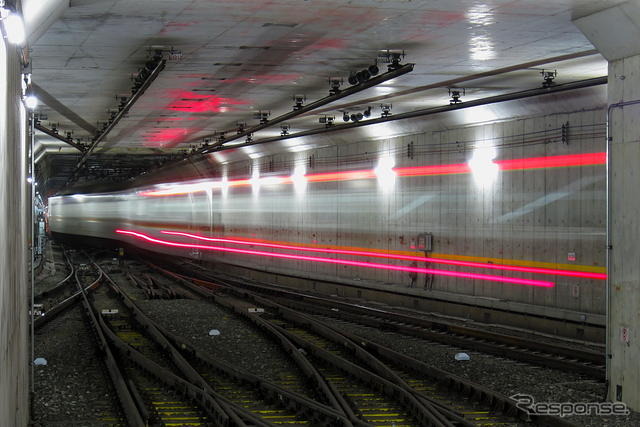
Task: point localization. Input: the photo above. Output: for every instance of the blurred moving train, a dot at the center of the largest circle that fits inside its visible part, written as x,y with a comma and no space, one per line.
516,223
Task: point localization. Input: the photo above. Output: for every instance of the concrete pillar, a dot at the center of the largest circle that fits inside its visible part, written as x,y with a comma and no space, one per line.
615,31
14,354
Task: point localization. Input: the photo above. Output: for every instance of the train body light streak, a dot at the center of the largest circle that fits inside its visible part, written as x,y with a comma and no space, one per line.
531,163
512,280
535,270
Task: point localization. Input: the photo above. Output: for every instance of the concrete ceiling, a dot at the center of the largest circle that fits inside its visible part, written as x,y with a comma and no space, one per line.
242,56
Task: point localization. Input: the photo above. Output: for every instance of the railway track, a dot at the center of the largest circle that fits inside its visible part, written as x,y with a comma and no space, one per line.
101,408
52,290
340,378
409,393
162,406
64,294
248,399
583,361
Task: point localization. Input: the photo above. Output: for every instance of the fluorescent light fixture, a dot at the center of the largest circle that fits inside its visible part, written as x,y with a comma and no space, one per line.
14,27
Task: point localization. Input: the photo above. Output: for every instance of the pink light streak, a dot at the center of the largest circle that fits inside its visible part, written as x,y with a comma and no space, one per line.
363,264
537,270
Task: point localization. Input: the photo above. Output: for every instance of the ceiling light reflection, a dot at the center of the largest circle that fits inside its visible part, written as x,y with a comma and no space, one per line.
298,179
385,173
481,48
480,15
255,179
483,168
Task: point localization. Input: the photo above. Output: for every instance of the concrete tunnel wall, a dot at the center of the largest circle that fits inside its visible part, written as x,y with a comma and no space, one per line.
14,205
532,216
537,217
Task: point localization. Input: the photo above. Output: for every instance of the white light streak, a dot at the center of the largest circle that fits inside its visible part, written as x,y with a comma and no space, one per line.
271,180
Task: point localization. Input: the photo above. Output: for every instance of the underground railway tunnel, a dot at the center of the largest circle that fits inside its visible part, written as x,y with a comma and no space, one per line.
315,212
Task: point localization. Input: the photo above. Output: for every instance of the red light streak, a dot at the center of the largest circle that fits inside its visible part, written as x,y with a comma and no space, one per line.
341,176
537,270
342,262
553,161
587,159
433,170
193,102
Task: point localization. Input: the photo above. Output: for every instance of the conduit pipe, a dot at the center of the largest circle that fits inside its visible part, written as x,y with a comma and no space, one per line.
610,109
125,109
57,136
463,79
392,74
430,111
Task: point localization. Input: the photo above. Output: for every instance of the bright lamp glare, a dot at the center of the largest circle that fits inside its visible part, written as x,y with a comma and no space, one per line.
484,170
271,180
224,186
14,27
298,179
255,180
385,173
31,102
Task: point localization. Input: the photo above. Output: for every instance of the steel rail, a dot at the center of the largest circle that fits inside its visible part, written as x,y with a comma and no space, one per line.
299,401
58,285
490,397
421,409
224,406
182,386
589,356
63,305
127,400
337,401
516,348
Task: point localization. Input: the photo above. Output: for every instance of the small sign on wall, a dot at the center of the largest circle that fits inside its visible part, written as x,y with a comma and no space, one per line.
425,242
625,335
571,256
575,291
